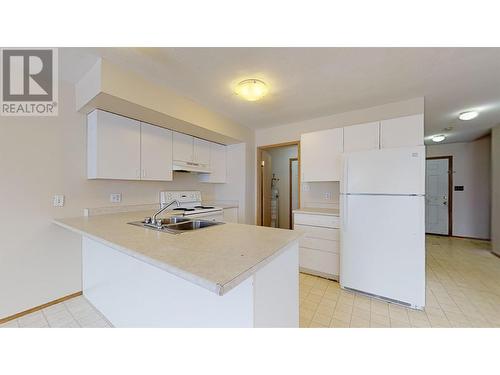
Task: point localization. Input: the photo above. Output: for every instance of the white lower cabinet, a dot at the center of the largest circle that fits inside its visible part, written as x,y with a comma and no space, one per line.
319,262
230,215
319,249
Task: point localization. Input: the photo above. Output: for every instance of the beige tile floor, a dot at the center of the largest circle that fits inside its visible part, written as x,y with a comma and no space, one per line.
463,290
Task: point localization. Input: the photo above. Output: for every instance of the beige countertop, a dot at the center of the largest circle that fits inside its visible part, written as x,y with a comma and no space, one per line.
217,258
318,211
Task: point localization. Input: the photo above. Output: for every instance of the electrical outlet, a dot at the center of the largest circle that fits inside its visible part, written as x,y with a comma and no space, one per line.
58,200
115,198
305,186
328,195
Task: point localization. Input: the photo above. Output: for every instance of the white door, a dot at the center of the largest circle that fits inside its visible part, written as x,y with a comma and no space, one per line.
437,199
362,137
156,153
383,246
320,155
183,147
390,171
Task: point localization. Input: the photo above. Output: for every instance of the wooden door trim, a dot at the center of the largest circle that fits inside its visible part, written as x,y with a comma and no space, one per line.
290,162
450,191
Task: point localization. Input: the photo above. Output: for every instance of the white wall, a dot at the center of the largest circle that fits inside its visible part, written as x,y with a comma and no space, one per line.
280,167
313,194
43,156
471,166
495,169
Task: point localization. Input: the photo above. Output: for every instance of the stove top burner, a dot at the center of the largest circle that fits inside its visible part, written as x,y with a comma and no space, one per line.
183,209
204,207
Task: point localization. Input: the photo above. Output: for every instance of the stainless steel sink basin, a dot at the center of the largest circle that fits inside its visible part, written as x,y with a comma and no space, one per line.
173,220
193,225
176,224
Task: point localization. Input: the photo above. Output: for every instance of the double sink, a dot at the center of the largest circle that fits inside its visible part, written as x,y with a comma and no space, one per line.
175,224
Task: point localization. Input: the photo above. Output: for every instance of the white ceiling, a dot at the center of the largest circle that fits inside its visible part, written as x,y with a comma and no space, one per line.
314,82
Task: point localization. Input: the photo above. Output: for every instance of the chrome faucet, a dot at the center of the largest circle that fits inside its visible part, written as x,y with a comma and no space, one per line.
157,222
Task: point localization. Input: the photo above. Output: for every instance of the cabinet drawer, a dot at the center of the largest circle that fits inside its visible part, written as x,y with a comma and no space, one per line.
332,234
320,244
319,261
317,220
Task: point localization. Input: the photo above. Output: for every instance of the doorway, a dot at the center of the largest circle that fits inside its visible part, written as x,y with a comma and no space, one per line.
439,195
278,181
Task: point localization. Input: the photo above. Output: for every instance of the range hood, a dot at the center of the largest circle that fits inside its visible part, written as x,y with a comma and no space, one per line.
188,166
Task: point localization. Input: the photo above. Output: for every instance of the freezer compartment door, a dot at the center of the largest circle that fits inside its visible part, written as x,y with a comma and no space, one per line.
383,246
389,171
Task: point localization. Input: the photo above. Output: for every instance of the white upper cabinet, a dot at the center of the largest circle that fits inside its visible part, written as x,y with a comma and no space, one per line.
320,155
113,146
217,165
362,137
191,149
156,153
191,153
402,132
183,147
125,149
201,151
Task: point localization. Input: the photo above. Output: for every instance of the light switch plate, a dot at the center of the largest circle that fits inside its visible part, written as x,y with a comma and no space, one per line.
328,195
115,198
58,200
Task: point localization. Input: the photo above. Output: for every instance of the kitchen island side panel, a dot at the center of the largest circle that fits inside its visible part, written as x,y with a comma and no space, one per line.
132,293
276,291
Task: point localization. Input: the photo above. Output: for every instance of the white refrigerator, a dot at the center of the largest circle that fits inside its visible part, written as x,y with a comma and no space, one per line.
383,224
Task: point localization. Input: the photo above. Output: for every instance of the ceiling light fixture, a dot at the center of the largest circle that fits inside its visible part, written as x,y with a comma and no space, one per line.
438,138
252,89
469,115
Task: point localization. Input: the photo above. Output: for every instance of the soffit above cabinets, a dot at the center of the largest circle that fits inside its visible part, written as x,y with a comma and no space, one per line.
115,90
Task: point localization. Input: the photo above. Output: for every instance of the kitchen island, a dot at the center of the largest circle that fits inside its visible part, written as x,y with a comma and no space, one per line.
230,275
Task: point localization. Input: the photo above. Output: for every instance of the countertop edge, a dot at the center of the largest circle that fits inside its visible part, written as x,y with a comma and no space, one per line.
249,272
